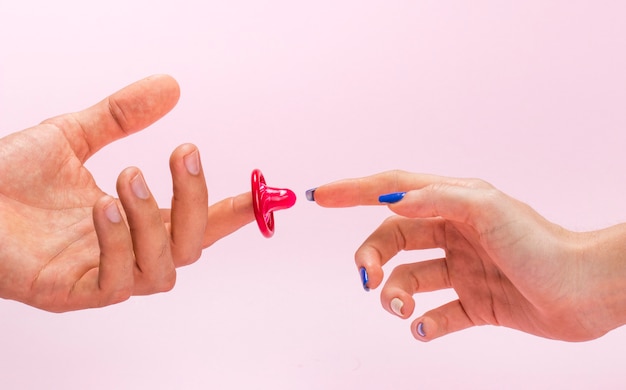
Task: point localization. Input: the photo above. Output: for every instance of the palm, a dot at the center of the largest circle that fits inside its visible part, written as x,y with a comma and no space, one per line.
59,252
47,197
497,282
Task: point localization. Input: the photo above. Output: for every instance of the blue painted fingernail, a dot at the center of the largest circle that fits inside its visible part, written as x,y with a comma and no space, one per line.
310,194
420,329
391,198
364,278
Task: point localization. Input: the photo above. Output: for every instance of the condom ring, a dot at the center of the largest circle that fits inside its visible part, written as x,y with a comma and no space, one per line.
266,200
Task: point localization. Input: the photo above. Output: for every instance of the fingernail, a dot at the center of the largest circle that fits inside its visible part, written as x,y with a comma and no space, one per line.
310,194
396,306
391,198
112,212
420,329
139,187
192,162
364,278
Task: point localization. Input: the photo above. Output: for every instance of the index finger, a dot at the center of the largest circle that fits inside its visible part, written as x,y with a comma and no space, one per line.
366,190
127,111
227,216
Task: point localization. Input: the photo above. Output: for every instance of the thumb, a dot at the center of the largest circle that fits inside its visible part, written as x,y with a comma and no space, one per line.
127,111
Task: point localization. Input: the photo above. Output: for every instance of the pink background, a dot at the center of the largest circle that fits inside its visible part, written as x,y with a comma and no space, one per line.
529,95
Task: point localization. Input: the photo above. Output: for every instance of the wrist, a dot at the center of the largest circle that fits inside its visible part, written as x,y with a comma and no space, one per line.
604,274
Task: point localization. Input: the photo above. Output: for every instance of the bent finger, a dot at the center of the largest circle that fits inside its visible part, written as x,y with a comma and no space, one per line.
409,279
396,234
441,321
151,243
116,250
189,213
112,281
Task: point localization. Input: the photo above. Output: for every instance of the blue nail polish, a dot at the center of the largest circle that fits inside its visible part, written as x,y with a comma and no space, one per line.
364,278
391,198
420,329
310,194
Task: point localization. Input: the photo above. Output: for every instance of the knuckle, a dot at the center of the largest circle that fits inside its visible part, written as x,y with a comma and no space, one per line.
186,256
489,199
119,295
478,183
155,281
117,113
45,302
167,283
391,221
402,269
433,193
397,173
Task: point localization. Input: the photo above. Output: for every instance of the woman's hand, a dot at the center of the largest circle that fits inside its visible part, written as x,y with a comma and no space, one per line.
508,265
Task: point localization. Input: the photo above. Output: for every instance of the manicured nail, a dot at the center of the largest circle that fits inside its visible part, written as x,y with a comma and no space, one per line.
396,306
112,212
420,329
364,278
310,194
139,187
192,162
391,198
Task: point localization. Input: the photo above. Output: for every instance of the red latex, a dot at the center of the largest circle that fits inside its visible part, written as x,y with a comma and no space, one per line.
266,200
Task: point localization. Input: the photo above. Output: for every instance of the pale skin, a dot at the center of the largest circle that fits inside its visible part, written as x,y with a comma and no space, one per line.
508,265
66,245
